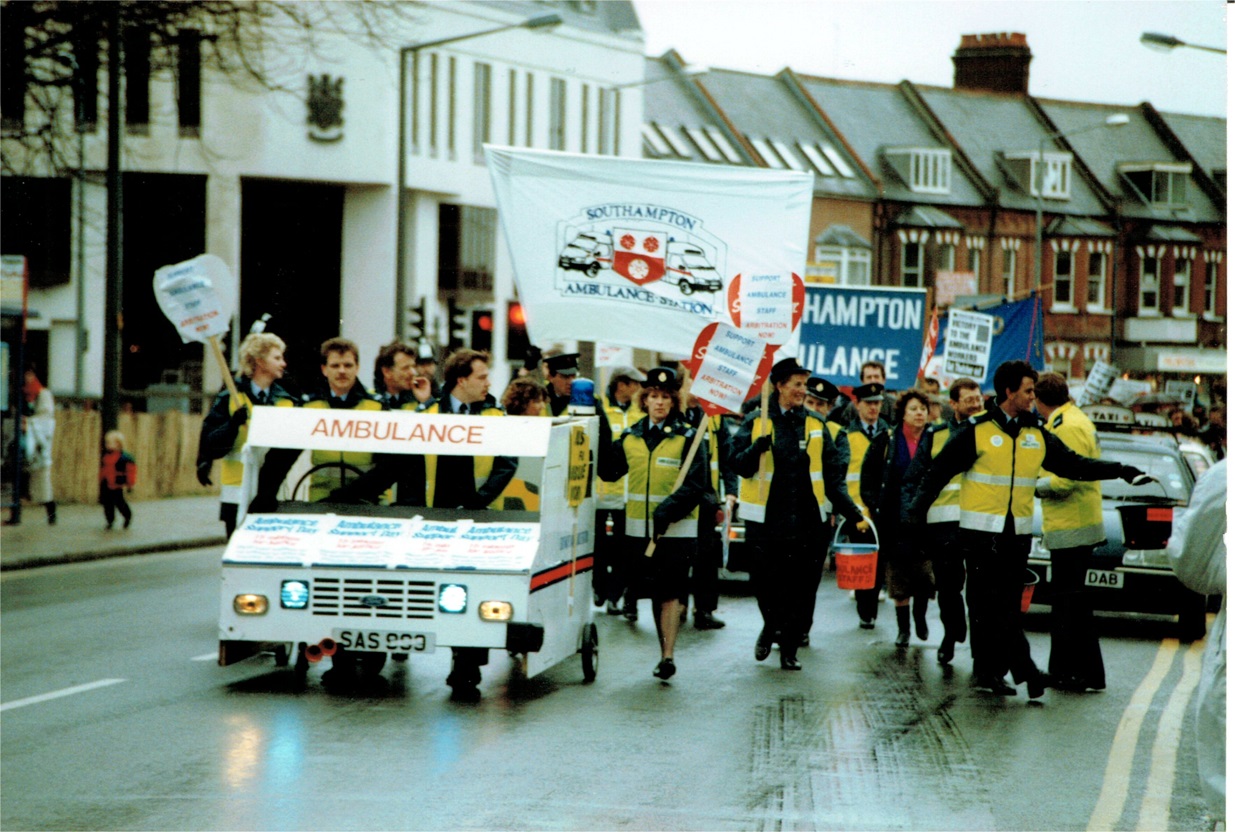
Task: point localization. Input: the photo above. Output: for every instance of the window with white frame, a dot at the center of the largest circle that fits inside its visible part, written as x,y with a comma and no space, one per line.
1009,272
975,264
1149,283
433,103
604,117
557,114
1096,280
911,263
853,263
1163,184
924,170
1211,284
482,109
1181,303
1065,278
945,259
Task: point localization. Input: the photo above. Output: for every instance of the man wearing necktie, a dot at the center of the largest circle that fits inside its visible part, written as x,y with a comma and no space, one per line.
340,390
858,436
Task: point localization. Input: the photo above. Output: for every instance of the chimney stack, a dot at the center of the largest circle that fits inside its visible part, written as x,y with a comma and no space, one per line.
995,62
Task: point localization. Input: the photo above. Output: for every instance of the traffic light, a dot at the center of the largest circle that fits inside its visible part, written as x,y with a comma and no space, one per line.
517,342
459,326
482,330
416,321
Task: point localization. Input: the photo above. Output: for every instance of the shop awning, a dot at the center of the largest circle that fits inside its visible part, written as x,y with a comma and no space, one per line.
1190,360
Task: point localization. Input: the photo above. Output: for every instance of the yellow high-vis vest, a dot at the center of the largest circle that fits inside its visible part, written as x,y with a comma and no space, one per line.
232,470
1002,478
751,505
651,476
947,506
859,443
324,481
1073,517
481,465
612,495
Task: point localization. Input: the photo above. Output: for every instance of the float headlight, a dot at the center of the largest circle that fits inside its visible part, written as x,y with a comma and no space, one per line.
294,595
496,610
452,598
250,604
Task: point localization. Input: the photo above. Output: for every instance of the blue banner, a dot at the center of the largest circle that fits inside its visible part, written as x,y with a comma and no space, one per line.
1018,336
843,327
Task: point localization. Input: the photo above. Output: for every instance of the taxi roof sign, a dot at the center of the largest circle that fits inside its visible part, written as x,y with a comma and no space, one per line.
1109,414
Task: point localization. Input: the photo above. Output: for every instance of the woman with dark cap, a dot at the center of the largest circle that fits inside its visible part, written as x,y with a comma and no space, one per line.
908,571
650,454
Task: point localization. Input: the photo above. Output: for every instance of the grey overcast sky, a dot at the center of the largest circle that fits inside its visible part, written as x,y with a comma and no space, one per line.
1084,50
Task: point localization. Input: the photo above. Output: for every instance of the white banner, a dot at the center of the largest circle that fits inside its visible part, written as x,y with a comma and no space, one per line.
398,432
1098,383
967,350
640,253
187,294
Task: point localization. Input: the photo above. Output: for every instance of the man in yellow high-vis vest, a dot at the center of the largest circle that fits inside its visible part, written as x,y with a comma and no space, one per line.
620,411
1072,526
340,390
944,515
785,514
1001,454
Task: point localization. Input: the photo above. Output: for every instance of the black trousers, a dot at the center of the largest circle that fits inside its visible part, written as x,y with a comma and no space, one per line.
816,577
113,501
705,566
1075,650
996,564
609,574
785,576
949,565
868,599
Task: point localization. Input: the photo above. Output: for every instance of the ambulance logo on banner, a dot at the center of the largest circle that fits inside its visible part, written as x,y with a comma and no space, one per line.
640,255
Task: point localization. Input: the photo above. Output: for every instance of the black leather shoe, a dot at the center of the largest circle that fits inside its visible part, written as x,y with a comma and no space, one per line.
631,610
789,662
902,638
665,669
763,645
708,621
946,651
866,624
805,642
994,685
921,629
1036,686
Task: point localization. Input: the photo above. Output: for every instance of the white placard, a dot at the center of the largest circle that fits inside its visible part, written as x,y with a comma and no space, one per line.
608,355
1186,391
967,351
1126,390
187,295
398,432
729,366
1098,383
767,306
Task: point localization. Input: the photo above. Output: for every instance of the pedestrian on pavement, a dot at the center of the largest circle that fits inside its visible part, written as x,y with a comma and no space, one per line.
1198,555
943,517
39,421
907,566
612,557
1072,526
117,474
784,506
1001,454
856,437
650,454
225,427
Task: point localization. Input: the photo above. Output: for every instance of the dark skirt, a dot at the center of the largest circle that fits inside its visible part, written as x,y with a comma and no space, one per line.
665,575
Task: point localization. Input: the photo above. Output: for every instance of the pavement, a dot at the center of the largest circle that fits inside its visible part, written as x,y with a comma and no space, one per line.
80,533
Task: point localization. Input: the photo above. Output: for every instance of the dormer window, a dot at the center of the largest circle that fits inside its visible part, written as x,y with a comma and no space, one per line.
1055,170
924,170
1160,184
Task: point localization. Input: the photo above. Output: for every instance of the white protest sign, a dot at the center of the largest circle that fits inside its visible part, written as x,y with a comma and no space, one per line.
637,252
398,432
187,294
967,351
767,306
1126,390
727,367
608,355
1186,391
1098,382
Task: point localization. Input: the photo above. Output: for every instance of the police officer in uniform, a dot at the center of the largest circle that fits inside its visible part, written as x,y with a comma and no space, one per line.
857,437
1002,453
621,411
785,517
820,396
560,370
943,517
650,454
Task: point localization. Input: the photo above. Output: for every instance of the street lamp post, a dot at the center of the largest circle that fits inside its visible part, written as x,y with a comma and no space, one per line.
1165,43
1039,179
543,21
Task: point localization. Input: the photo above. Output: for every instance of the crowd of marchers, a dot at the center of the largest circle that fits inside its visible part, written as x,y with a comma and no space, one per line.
944,485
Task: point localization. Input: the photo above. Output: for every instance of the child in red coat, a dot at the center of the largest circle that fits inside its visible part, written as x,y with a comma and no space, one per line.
117,473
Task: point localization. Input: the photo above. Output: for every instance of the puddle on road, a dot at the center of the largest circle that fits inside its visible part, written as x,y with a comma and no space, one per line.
888,756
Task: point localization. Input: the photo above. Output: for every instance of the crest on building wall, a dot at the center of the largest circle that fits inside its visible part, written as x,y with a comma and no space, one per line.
325,108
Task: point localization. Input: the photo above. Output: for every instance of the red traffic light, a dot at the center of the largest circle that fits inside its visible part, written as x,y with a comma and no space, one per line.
484,322
516,316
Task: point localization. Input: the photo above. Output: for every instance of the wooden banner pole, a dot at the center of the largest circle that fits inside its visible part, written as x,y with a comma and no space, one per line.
217,348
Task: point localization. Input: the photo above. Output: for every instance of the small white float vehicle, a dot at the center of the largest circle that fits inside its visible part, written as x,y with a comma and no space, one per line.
360,583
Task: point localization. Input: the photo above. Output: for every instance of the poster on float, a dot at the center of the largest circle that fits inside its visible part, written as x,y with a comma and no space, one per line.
641,253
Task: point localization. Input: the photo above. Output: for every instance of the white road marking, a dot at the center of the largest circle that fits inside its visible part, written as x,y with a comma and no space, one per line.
206,657
56,694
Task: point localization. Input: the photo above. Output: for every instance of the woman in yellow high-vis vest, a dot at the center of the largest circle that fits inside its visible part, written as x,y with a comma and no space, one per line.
650,454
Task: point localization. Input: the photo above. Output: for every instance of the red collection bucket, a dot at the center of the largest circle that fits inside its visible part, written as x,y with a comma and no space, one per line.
1031,580
856,563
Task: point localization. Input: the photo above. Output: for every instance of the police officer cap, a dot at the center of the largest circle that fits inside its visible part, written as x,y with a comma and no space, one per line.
425,353
869,393
821,388
787,368
564,364
662,377
628,374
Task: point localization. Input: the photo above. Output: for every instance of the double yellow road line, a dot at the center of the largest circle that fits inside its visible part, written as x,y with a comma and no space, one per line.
1155,808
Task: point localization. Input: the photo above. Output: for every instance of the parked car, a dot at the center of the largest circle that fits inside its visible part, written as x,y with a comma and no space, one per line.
1126,578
